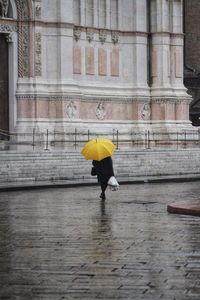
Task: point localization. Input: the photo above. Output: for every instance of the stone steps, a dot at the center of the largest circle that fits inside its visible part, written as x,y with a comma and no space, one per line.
69,165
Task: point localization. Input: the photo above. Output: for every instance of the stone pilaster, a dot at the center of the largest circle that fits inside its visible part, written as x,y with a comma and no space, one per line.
160,50
140,49
82,12
108,14
95,13
177,42
170,102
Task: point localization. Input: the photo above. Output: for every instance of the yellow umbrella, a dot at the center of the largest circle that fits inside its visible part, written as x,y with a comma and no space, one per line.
98,149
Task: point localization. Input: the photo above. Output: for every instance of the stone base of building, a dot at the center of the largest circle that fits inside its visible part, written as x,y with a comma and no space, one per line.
142,135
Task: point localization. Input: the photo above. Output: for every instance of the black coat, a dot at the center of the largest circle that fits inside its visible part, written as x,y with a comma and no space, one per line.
104,169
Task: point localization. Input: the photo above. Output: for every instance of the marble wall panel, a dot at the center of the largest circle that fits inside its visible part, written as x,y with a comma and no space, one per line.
154,64
111,111
115,62
170,111
178,64
123,111
86,110
102,60
42,109
52,109
25,108
48,109
77,60
158,111
89,60
182,111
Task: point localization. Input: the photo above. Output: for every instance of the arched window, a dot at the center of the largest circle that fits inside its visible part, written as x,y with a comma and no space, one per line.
114,14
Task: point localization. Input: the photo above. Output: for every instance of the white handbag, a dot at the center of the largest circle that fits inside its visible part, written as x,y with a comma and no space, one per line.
113,184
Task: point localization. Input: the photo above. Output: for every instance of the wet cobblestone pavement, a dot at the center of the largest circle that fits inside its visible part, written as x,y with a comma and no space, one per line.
64,244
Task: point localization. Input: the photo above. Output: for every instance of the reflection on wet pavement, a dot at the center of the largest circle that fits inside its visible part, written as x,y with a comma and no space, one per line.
67,244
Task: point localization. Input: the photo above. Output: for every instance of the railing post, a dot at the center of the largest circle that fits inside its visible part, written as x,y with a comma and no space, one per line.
113,135
177,139
185,139
75,138
148,139
88,135
47,141
117,139
33,138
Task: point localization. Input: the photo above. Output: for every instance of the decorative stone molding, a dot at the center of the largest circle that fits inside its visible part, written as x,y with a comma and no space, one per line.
38,57
102,36
100,111
71,110
145,111
115,37
6,28
90,36
171,100
24,12
89,99
9,38
4,8
24,52
77,34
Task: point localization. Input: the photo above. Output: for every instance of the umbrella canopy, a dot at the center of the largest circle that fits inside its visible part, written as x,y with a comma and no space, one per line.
98,149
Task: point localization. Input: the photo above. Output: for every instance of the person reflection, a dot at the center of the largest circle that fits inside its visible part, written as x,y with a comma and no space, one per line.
102,234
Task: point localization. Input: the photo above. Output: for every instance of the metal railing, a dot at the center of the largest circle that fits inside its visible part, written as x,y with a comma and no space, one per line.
146,139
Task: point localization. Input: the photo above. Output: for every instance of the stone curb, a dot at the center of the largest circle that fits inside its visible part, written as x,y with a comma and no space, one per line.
14,186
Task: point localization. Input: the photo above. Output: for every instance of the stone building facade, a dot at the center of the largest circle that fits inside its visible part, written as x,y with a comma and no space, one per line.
92,64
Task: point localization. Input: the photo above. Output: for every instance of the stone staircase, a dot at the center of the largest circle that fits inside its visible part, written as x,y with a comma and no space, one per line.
70,165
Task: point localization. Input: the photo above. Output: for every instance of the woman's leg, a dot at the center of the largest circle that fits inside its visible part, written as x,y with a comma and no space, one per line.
103,189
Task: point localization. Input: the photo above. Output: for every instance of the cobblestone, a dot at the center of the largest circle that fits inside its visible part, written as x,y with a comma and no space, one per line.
65,244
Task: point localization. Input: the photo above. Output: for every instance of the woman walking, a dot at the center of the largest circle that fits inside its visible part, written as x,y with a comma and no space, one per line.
104,170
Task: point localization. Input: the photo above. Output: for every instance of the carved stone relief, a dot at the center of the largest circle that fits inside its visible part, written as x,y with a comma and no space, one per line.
38,58
77,33
90,36
4,8
100,111
102,36
9,38
38,10
22,10
115,37
24,52
145,111
71,110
